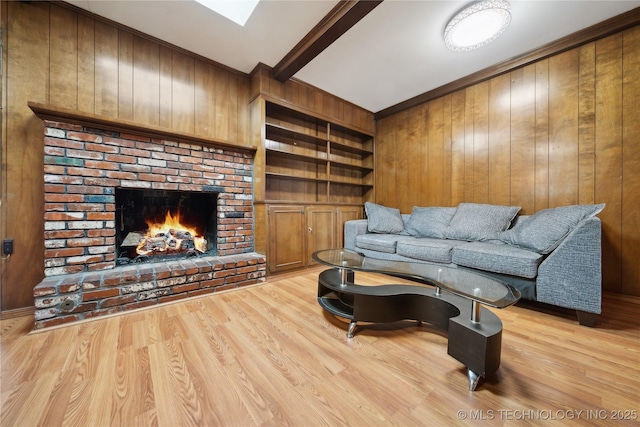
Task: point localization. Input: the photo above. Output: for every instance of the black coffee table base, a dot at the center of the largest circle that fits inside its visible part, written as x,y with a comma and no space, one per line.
475,343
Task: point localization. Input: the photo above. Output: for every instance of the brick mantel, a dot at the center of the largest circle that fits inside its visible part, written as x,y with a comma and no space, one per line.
86,158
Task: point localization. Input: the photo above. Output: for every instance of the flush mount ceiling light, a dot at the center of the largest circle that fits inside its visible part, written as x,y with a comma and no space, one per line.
477,24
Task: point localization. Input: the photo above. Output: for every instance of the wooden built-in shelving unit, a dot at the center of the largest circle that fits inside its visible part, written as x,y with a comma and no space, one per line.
314,160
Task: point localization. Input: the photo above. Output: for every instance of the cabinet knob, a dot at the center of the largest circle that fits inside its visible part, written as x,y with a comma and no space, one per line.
310,229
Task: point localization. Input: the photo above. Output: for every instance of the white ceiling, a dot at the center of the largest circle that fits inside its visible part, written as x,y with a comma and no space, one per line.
394,53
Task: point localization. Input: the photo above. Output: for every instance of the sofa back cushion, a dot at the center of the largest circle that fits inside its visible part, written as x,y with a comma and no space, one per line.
475,221
381,219
429,221
543,231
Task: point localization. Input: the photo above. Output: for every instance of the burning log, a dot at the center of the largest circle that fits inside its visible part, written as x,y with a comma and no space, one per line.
168,238
171,242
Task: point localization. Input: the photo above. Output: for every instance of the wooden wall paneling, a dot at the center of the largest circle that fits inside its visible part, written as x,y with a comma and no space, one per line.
204,107
541,178
243,131
631,162
258,134
586,125
86,64
183,92
434,151
403,177
238,110
499,143
27,79
458,138
106,68
384,161
468,145
305,95
63,51
609,160
523,144
409,152
222,102
145,99
292,92
166,87
447,150
481,143
348,113
125,75
415,161
318,99
563,128
146,81
260,228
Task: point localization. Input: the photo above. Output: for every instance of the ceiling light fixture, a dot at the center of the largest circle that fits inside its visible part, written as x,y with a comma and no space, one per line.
477,24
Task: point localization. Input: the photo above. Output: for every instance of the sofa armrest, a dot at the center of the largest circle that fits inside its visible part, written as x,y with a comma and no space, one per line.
353,229
571,276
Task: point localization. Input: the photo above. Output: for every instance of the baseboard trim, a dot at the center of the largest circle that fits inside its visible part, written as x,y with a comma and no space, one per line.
621,297
17,312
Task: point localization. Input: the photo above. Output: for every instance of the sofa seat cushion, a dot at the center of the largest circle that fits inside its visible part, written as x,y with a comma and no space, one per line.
427,249
497,258
379,242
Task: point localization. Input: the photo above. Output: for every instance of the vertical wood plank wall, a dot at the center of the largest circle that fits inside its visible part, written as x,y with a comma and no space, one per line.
55,55
564,130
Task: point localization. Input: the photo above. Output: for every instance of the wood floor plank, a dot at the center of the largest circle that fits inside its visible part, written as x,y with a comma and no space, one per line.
269,355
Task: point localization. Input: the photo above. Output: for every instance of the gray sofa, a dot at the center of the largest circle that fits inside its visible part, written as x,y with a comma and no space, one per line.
552,256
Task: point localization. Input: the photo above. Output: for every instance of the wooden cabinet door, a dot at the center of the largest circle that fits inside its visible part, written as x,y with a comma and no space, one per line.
321,229
287,234
346,213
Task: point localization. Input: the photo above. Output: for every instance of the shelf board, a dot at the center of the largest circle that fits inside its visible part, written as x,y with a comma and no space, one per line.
313,179
350,147
291,155
293,134
351,183
351,166
337,307
295,177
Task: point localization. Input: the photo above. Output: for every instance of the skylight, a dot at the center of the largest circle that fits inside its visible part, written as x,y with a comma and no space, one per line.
238,11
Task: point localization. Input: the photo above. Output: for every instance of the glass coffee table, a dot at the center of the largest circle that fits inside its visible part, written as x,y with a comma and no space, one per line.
451,302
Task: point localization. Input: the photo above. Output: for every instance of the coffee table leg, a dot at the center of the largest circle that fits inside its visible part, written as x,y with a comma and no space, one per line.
352,328
475,311
473,379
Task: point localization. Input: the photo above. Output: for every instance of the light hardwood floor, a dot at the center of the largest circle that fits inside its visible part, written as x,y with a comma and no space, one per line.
269,356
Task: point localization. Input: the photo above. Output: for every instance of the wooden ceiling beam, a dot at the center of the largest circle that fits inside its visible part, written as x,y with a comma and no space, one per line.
338,21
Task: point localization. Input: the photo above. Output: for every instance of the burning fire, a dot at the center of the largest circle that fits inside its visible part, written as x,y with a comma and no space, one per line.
170,236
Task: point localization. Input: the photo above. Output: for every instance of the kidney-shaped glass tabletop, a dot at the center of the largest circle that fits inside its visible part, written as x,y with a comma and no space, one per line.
465,283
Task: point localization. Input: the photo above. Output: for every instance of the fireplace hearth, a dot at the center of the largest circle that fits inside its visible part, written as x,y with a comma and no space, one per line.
104,190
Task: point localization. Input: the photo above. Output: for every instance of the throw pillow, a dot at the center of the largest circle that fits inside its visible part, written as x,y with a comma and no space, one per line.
381,219
429,221
477,222
543,231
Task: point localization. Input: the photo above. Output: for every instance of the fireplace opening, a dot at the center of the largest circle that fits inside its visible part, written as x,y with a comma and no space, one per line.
155,225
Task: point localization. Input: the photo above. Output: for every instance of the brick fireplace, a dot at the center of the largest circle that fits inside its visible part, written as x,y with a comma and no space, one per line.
84,168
